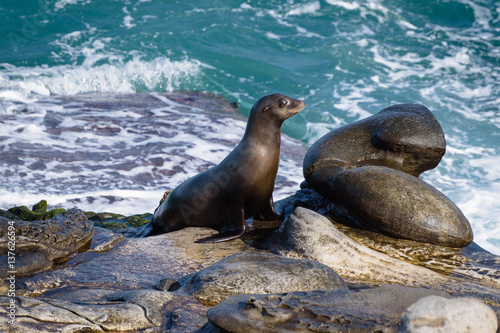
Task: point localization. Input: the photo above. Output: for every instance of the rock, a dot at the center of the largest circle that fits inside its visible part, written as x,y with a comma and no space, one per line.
258,273
41,244
168,284
367,310
405,137
434,314
183,321
104,240
40,207
401,206
367,167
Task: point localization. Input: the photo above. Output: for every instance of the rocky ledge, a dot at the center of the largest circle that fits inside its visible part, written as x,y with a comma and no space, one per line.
309,274
330,266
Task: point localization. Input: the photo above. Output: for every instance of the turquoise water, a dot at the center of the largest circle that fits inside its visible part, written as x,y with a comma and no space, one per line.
346,59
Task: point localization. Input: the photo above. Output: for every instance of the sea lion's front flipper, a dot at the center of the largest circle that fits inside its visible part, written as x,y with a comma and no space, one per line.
268,213
224,235
233,228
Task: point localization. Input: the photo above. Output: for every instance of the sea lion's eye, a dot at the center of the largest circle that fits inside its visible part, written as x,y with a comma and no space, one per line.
283,103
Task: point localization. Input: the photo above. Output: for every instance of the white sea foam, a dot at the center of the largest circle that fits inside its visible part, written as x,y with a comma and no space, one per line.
344,4
126,202
350,96
304,8
373,8
128,19
61,4
162,74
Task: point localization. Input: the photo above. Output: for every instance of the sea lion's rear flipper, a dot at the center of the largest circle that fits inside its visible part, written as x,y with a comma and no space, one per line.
224,235
268,213
145,231
233,228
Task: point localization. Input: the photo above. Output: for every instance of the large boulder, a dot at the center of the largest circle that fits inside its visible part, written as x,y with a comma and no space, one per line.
258,273
372,168
405,137
401,206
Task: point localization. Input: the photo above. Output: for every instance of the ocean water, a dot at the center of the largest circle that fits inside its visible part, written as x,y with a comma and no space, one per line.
345,59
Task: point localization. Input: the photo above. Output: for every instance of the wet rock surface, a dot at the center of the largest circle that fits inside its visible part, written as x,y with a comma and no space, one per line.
132,264
307,234
116,290
139,144
104,240
368,310
122,283
311,235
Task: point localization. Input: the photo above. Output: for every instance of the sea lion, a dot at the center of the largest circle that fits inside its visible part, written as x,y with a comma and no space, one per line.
239,187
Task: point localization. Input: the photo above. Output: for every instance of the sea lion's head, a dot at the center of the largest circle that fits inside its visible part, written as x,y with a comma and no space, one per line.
276,108
267,116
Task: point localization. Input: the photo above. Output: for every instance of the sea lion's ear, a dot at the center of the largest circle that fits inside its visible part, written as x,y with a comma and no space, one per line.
266,108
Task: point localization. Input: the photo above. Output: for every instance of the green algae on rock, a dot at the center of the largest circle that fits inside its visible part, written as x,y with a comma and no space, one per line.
38,212
117,221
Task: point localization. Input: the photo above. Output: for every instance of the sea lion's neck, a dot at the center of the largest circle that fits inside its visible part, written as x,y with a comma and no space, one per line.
263,131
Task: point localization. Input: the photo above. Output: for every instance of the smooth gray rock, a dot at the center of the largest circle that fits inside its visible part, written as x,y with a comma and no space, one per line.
41,244
434,314
64,316
260,273
401,206
405,137
368,310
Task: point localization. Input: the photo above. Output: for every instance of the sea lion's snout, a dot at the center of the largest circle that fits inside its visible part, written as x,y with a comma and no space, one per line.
294,106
